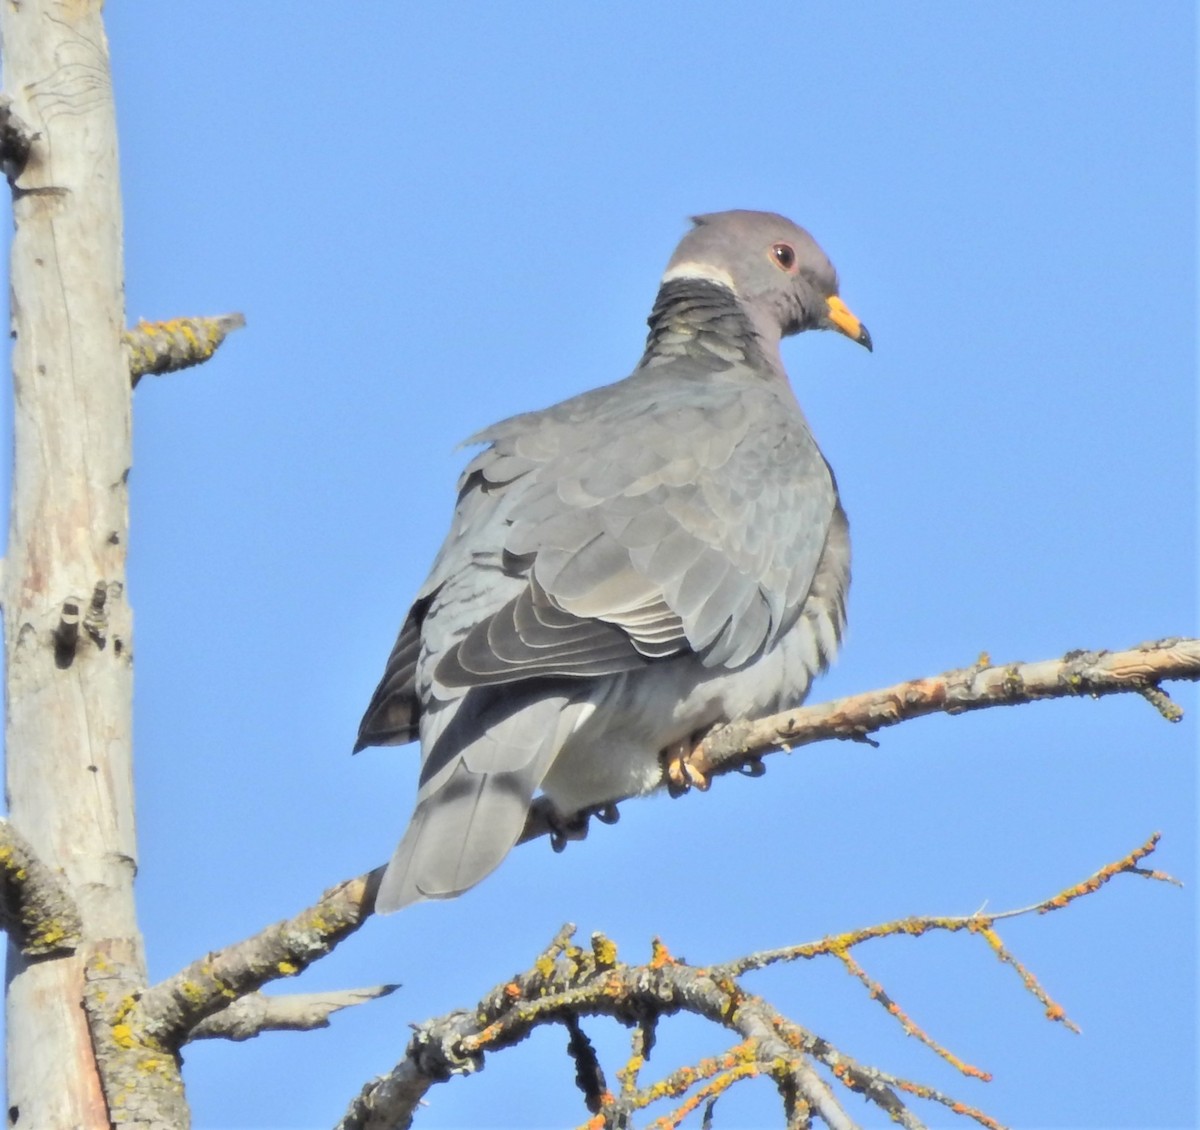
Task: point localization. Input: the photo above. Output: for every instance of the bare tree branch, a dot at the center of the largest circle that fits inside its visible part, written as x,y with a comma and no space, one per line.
198,1002
567,982
741,746
1092,673
37,910
297,1012
169,1011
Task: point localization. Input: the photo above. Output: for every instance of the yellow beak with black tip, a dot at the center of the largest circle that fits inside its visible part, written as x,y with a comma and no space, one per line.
840,319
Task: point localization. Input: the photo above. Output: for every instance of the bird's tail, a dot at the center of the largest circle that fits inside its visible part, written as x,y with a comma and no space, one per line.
471,811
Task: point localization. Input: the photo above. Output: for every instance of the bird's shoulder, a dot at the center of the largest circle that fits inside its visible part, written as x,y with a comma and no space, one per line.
677,419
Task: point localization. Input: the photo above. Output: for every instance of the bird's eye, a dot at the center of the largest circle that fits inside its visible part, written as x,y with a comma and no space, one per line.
785,255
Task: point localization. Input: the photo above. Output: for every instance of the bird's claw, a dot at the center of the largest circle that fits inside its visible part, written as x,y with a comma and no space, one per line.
681,771
563,829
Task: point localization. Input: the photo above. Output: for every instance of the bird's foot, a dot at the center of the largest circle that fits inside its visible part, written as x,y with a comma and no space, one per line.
545,819
680,768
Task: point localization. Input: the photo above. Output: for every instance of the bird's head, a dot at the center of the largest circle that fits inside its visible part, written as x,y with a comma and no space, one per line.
781,277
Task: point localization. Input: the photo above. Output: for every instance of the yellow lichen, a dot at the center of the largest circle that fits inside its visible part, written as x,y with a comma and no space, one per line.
156,1064
604,950
48,934
127,1005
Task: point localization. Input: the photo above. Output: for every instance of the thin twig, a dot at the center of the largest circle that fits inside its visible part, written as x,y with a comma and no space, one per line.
256,1013
915,926
567,981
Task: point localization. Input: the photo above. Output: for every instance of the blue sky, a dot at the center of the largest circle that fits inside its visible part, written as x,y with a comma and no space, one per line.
434,216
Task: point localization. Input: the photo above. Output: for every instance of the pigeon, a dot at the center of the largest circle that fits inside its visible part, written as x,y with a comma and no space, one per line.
625,570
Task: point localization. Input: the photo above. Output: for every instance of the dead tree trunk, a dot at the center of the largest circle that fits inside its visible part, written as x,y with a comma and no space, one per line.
67,621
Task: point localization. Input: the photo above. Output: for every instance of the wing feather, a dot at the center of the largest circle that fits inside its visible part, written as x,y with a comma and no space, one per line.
625,526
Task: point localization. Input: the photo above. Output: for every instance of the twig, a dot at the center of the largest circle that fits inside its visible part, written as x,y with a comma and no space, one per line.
589,1075
256,1013
915,926
567,982
911,1028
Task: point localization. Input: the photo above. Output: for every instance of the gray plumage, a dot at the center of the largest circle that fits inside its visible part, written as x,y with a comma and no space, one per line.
625,569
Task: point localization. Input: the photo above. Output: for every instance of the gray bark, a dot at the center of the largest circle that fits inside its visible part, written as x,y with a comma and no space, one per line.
67,623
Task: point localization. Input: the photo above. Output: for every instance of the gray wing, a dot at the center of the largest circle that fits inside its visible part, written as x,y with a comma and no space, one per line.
392,716
625,527
466,582
633,532
693,524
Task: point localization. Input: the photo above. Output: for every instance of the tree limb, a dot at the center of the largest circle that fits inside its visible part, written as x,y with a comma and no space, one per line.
297,1012
740,746
170,1010
197,1002
137,1033
567,982
35,908
1139,670
166,347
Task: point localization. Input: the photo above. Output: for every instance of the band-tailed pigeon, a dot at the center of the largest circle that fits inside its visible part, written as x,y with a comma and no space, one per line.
625,569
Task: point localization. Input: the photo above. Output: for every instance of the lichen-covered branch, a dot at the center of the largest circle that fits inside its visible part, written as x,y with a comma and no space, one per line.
568,982
972,923
296,1012
217,996
740,746
137,1032
165,347
35,906
141,1076
169,1011
1138,670
174,1007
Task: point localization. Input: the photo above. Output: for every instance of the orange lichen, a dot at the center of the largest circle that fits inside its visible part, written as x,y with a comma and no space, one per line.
660,955
1054,1011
